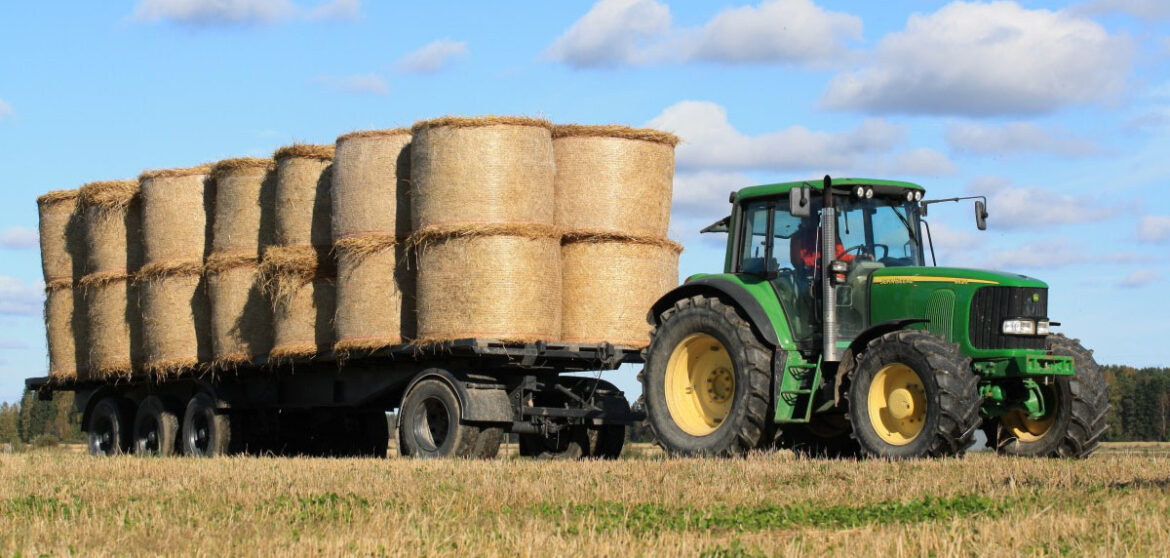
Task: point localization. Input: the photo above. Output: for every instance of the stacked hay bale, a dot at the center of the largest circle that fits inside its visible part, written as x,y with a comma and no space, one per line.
111,214
484,216
241,318
371,219
297,272
62,263
176,312
613,194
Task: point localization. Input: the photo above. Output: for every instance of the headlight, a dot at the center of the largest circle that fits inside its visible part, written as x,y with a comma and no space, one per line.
918,195
1042,327
1019,327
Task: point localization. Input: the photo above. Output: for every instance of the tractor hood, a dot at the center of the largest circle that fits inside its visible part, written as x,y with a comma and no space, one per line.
952,275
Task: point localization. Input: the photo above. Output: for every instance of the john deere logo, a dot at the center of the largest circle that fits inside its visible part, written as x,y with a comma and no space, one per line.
1035,297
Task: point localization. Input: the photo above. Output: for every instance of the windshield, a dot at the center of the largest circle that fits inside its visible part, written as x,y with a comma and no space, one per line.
884,230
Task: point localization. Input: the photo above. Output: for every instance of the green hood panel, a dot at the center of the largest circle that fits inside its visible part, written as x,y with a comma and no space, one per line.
952,275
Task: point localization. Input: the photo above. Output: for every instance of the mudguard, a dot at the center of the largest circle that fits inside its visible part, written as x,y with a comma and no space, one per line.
722,288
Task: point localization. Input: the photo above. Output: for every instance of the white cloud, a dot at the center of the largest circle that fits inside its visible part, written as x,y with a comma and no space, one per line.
1018,207
640,32
1016,138
954,246
14,344
20,298
1051,253
1154,229
1139,278
1144,9
5,109
238,12
431,58
918,162
704,193
18,238
981,59
372,84
709,141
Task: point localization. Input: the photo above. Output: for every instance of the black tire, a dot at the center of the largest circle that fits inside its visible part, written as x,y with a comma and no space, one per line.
429,426
1082,405
109,427
207,429
570,442
744,427
607,441
827,436
950,392
156,429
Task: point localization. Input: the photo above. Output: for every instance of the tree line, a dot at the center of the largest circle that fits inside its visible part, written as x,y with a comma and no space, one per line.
1140,411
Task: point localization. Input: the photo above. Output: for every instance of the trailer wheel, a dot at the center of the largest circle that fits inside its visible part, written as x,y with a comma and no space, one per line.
607,441
109,427
570,442
1075,421
913,395
156,429
429,426
207,432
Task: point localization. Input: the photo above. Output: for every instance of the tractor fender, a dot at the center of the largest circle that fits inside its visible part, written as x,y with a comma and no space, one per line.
478,402
849,360
727,290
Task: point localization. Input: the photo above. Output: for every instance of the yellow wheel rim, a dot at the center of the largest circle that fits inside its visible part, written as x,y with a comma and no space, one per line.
700,384
1025,429
897,404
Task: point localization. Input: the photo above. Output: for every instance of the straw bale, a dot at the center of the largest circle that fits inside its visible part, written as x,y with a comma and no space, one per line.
111,307
111,213
244,218
302,319
302,200
65,332
375,288
290,267
219,263
496,287
358,247
241,317
435,234
155,271
481,171
177,207
371,184
62,236
197,170
359,134
614,178
176,323
609,286
480,121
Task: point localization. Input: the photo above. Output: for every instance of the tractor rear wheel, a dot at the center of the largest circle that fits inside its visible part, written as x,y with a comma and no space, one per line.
913,395
1076,407
707,380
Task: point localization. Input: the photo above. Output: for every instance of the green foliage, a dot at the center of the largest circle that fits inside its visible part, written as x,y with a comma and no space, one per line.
43,422
1141,404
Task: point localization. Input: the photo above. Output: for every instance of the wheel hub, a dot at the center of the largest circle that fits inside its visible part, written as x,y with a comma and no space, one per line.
897,404
700,384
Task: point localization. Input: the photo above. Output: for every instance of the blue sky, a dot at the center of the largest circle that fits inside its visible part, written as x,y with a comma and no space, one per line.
1059,112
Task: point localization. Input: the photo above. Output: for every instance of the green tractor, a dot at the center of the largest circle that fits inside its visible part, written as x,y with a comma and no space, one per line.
828,333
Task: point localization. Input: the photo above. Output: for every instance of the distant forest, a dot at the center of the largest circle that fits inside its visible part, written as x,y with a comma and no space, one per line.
1140,412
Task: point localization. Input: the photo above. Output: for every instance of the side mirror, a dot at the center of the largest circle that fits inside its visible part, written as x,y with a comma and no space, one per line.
800,202
981,215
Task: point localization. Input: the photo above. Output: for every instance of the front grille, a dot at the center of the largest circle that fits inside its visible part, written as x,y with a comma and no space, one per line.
992,305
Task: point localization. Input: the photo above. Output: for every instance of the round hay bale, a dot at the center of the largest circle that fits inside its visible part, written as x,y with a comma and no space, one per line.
501,282
65,331
176,209
302,195
609,284
614,178
244,220
374,291
241,317
476,171
371,184
299,282
175,320
111,308
111,214
62,236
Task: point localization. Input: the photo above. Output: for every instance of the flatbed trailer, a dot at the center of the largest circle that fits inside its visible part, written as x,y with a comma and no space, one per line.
454,399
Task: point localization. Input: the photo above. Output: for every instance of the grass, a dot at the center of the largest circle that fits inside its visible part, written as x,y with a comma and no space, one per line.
59,503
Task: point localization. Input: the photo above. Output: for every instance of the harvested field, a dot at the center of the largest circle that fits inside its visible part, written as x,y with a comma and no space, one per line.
1113,504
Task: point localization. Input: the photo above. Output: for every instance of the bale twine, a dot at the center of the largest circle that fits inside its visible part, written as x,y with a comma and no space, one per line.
610,282
176,209
243,221
375,286
62,239
111,216
482,171
241,317
302,195
614,178
371,184
496,282
299,282
175,319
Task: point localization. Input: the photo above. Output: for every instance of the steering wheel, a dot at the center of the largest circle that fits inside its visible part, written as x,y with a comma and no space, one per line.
860,253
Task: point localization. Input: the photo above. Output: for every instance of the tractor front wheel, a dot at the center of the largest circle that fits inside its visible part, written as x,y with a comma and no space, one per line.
707,380
913,395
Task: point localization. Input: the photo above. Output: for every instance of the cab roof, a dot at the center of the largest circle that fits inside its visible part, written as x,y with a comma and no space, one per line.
781,188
